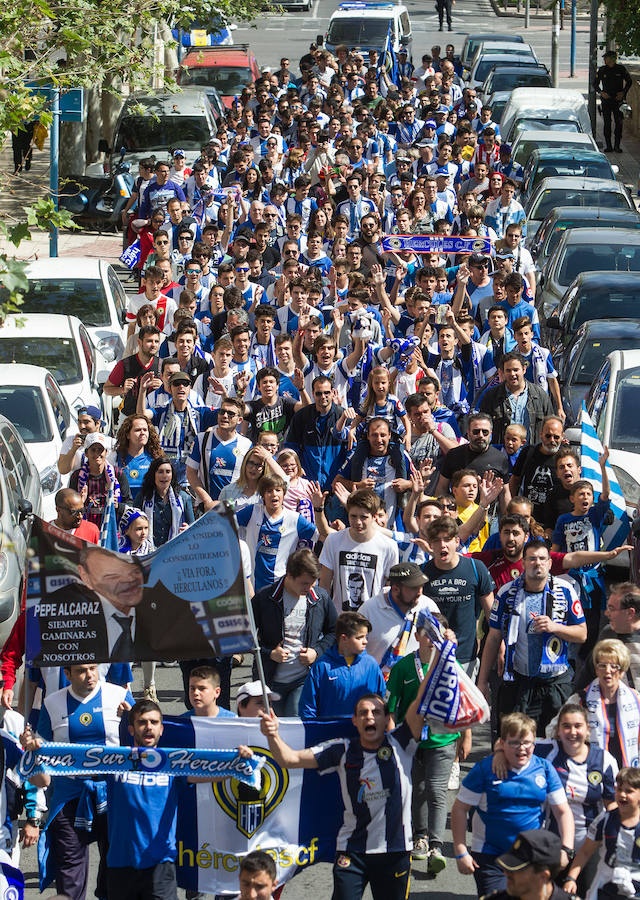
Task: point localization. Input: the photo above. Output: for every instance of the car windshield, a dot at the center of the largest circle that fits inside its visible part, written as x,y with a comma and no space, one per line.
523,150
625,422
141,134
507,81
58,355
594,351
24,407
593,168
359,32
605,300
226,79
543,124
560,228
553,197
81,297
497,109
598,258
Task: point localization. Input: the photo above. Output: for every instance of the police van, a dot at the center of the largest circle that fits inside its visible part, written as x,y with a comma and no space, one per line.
365,26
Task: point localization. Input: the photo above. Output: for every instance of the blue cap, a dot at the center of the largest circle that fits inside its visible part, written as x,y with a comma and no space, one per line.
430,124
179,153
92,411
443,171
443,109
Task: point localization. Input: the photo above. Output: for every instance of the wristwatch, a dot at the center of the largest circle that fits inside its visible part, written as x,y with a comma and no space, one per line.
570,852
34,821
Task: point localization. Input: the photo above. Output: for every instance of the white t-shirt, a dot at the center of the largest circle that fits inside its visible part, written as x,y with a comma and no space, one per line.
386,623
359,568
77,459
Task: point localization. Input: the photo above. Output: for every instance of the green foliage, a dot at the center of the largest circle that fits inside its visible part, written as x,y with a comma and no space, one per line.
623,17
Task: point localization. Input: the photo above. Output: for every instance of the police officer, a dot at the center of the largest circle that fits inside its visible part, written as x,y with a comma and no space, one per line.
531,866
613,81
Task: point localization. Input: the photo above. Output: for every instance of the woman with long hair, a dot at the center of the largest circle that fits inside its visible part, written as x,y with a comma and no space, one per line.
169,511
319,221
137,445
244,492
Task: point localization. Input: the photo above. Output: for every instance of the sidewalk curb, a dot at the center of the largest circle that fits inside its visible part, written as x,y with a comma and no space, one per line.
543,14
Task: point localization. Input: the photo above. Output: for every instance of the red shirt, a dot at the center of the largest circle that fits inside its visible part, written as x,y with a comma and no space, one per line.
505,570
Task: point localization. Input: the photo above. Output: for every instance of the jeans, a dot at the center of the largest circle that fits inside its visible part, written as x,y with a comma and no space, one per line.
289,693
430,777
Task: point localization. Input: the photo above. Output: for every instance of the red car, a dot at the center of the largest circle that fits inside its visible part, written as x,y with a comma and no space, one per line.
228,69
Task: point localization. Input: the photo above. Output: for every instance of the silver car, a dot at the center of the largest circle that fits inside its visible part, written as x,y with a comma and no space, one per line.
20,495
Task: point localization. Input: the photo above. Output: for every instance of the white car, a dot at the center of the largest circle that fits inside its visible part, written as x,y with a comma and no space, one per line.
89,289
31,399
20,494
366,26
613,402
62,345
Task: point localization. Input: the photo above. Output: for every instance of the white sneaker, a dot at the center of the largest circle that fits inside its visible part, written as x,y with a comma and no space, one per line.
150,693
420,848
454,778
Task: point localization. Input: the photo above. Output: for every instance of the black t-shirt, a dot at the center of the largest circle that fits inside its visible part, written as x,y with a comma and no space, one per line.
537,471
465,458
457,593
557,504
276,418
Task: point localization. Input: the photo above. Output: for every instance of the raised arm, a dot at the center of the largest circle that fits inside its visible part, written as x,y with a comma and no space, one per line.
285,755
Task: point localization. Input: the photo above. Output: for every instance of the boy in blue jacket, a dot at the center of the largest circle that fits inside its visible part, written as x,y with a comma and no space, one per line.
343,674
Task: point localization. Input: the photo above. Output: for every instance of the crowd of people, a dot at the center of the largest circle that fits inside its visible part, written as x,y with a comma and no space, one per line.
388,428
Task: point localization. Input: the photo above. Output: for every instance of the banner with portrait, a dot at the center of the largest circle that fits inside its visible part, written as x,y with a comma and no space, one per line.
185,600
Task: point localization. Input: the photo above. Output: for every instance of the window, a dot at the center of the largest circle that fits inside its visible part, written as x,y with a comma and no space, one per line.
60,408
87,349
16,461
24,408
81,297
58,355
359,32
117,292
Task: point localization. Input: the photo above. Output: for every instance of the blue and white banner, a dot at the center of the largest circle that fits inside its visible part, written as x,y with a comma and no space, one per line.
294,816
591,447
65,760
131,256
11,879
434,243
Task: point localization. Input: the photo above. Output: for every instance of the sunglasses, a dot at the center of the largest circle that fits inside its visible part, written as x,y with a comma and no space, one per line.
192,271
242,268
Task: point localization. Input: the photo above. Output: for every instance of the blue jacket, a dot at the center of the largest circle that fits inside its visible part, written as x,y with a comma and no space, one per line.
332,688
321,455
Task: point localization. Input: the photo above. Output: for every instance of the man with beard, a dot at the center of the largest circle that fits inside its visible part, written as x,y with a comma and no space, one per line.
478,455
534,472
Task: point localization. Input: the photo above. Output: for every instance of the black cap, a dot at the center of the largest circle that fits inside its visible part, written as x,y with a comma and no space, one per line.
408,574
478,259
539,847
179,378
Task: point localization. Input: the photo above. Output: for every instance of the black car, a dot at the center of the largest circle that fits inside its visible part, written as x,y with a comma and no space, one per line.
563,217
594,295
583,356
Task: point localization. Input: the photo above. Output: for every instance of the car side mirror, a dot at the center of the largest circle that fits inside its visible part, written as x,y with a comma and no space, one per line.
573,435
319,40
553,322
25,509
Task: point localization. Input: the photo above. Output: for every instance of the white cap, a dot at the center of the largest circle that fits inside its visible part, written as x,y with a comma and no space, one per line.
253,689
96,438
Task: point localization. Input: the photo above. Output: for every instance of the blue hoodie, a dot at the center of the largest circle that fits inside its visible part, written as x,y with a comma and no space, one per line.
332,687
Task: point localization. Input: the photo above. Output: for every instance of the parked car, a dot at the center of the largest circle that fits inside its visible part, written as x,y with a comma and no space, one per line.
597,294
563,217
545,107
365,26
572,191
527,141
509,48
612,403
473,40
87,288
566,161
512,75
20,495
224,69
31,399
583,355
487,61
496,103
60,344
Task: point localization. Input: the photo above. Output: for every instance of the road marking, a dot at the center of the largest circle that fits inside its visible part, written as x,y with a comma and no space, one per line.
315,9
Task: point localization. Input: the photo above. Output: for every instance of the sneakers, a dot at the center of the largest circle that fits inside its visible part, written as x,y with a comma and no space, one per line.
454,778
420,848
437,862
150,693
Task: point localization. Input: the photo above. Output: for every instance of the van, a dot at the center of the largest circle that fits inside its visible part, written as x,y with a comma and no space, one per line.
157,124
365,26
557,109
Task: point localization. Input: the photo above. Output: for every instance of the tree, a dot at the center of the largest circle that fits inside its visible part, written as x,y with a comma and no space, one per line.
623,21
101,45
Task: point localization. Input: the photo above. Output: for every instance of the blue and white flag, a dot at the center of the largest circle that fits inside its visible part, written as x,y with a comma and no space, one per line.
435,243
89,760
109,525
295,816
11,879
131,256
591,447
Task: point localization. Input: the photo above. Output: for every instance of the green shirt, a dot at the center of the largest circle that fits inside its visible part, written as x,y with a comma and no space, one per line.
402,689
